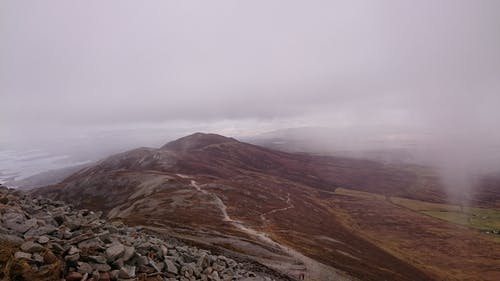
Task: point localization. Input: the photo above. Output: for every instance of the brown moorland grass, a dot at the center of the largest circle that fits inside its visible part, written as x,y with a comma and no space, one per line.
20,270
445,250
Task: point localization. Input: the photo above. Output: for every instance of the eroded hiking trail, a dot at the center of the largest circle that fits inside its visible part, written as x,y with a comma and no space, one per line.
312,269
289,206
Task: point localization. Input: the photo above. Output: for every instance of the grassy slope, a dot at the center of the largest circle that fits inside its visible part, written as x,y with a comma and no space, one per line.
478,218
411,230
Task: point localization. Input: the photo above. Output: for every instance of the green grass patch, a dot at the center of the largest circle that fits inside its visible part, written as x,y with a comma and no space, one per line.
479,218
359,194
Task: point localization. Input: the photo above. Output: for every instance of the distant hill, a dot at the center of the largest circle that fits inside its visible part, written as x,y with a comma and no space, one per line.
375,145
282,209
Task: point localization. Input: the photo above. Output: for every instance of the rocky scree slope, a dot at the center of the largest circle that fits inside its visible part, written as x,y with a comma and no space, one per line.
41,239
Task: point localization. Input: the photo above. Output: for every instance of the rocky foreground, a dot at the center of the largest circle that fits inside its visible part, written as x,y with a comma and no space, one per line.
41,239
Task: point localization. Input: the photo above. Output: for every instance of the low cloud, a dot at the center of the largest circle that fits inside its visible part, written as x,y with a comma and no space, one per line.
419,68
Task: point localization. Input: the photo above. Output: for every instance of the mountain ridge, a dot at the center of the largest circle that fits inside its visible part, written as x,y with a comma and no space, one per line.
262,203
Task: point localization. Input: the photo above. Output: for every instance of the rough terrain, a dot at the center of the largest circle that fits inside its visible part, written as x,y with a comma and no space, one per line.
48,240
285,210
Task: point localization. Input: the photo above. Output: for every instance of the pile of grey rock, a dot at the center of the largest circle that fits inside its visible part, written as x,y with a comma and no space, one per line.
88,248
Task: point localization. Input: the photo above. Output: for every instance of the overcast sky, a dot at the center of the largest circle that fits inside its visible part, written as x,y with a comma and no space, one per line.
247,66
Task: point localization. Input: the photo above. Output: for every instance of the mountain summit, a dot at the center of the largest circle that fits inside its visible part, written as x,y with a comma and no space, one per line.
196,141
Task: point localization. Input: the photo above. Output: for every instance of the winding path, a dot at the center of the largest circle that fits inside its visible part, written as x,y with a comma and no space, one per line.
288,202
314,270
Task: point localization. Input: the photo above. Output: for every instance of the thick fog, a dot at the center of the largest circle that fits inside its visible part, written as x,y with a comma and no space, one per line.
123,73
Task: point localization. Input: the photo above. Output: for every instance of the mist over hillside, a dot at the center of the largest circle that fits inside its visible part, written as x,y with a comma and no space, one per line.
355,139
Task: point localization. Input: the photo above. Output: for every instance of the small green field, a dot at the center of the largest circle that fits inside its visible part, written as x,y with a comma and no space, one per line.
479,218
